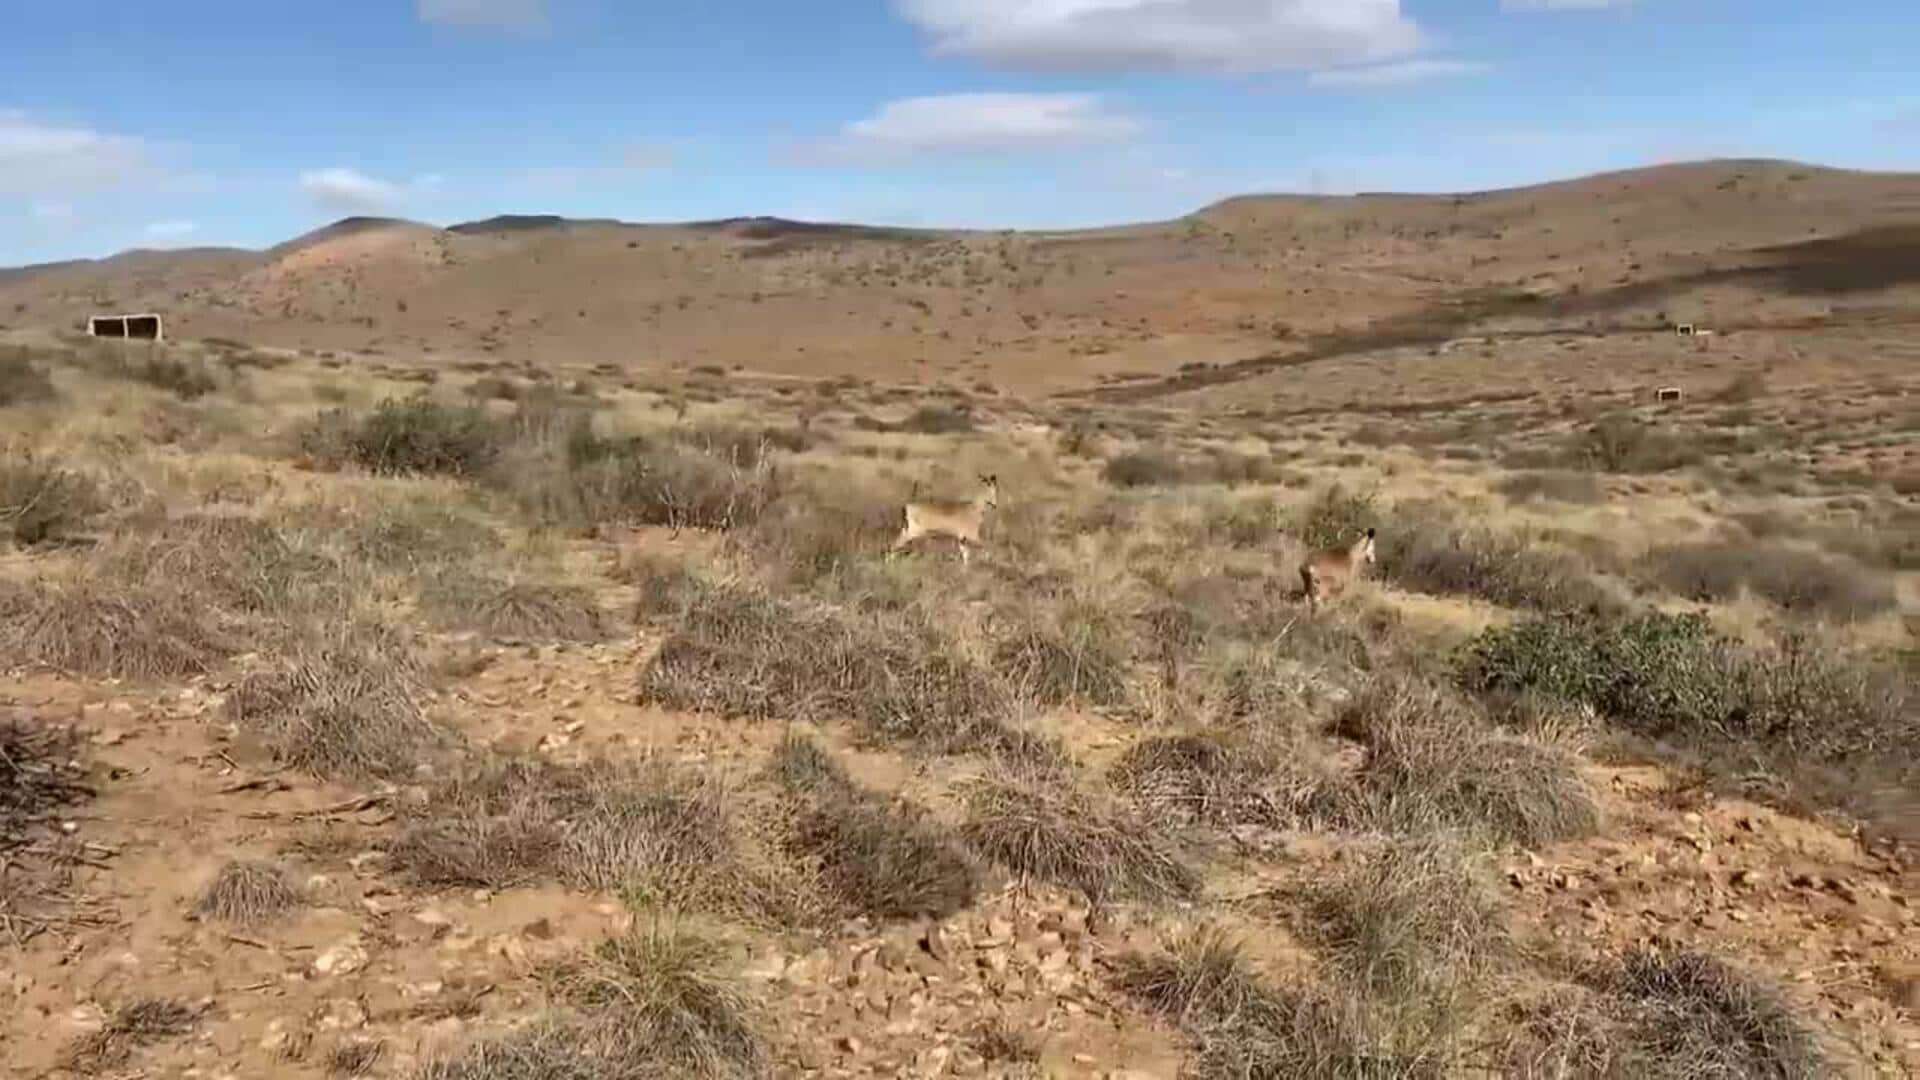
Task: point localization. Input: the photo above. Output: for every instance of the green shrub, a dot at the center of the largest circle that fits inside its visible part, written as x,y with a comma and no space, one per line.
415,435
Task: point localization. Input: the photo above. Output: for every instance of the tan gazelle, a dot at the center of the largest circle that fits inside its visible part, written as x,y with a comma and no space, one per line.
1326,573
958,518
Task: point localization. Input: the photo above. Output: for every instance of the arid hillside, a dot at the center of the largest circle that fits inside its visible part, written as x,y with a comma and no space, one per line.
486,653
1713,242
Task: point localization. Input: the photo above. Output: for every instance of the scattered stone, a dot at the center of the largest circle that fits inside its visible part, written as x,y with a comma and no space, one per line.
343,959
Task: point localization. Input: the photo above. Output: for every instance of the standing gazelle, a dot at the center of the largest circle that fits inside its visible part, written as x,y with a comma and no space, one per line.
1326,573
959,519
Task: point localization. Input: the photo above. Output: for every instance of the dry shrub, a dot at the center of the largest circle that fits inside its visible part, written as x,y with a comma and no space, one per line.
248,893
41,503
1224,778
1414,928
1145,468
90,624
937,420
1065,652
133,1025
655,1003
1435,763
657,834
888,860
38,775
739,652
662,990
820,528
1040,826
411,534
21,381
343,704
241,566
1248,1029
1554,485
1432,555
460,599
579,479
1800,581
1690,1015
355,1058
1620,443
412,435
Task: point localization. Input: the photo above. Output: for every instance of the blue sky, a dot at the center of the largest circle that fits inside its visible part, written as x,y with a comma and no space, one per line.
128,123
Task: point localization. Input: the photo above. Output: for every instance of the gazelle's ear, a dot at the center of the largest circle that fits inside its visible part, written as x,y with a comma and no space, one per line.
1370,533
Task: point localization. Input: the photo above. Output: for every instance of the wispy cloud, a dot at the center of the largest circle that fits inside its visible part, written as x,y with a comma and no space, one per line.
349,191
485,14
41,157
1396,73
1562,5
1217,36
973,124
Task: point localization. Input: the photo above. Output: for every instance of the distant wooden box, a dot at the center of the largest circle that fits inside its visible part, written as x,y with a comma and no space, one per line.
1667,393
145,327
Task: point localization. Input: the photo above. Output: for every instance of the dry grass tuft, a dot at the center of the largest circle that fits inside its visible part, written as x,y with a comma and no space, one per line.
999,1042
132,1026
1066,653
38,775
1224,778
653,1004
1246,1028
355,1058
658,835
1414,928
1689,1015
660,995
1563,486
1434,762
248,893
343,705
514,610
22,382
1801,582
42,503
1430,554
740,652
1041,827
886,860
90,624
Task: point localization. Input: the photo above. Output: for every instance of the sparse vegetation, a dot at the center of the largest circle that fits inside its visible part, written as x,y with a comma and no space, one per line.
248,892
42,503
1799,581
131,1026
886,860
343,704
1565,486
514,610
22,382
1038,826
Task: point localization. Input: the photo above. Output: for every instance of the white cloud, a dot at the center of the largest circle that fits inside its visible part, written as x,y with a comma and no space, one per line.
41,157
1397,73
170,230
975,124
348,191
1225,36
50,211
485,14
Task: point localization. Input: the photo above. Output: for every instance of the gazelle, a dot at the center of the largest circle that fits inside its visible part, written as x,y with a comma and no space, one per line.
1327,573
959,519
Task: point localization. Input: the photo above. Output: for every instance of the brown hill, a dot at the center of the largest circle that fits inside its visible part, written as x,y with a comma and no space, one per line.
1248,278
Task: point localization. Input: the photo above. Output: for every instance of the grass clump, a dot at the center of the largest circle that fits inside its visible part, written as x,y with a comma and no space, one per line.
513,610
1621,443
662,990
1248,1029
1799,581
886,860
1041,827
1433,762
658,835
38,776
1222,778
937,420
342,705
248,893
1554,485
41,503
22,382
1442,558
561,472
1071,653
131,1026
1335,518
1690,1015
1144,468
740,652
240,566
656,1002
414,435
91,624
